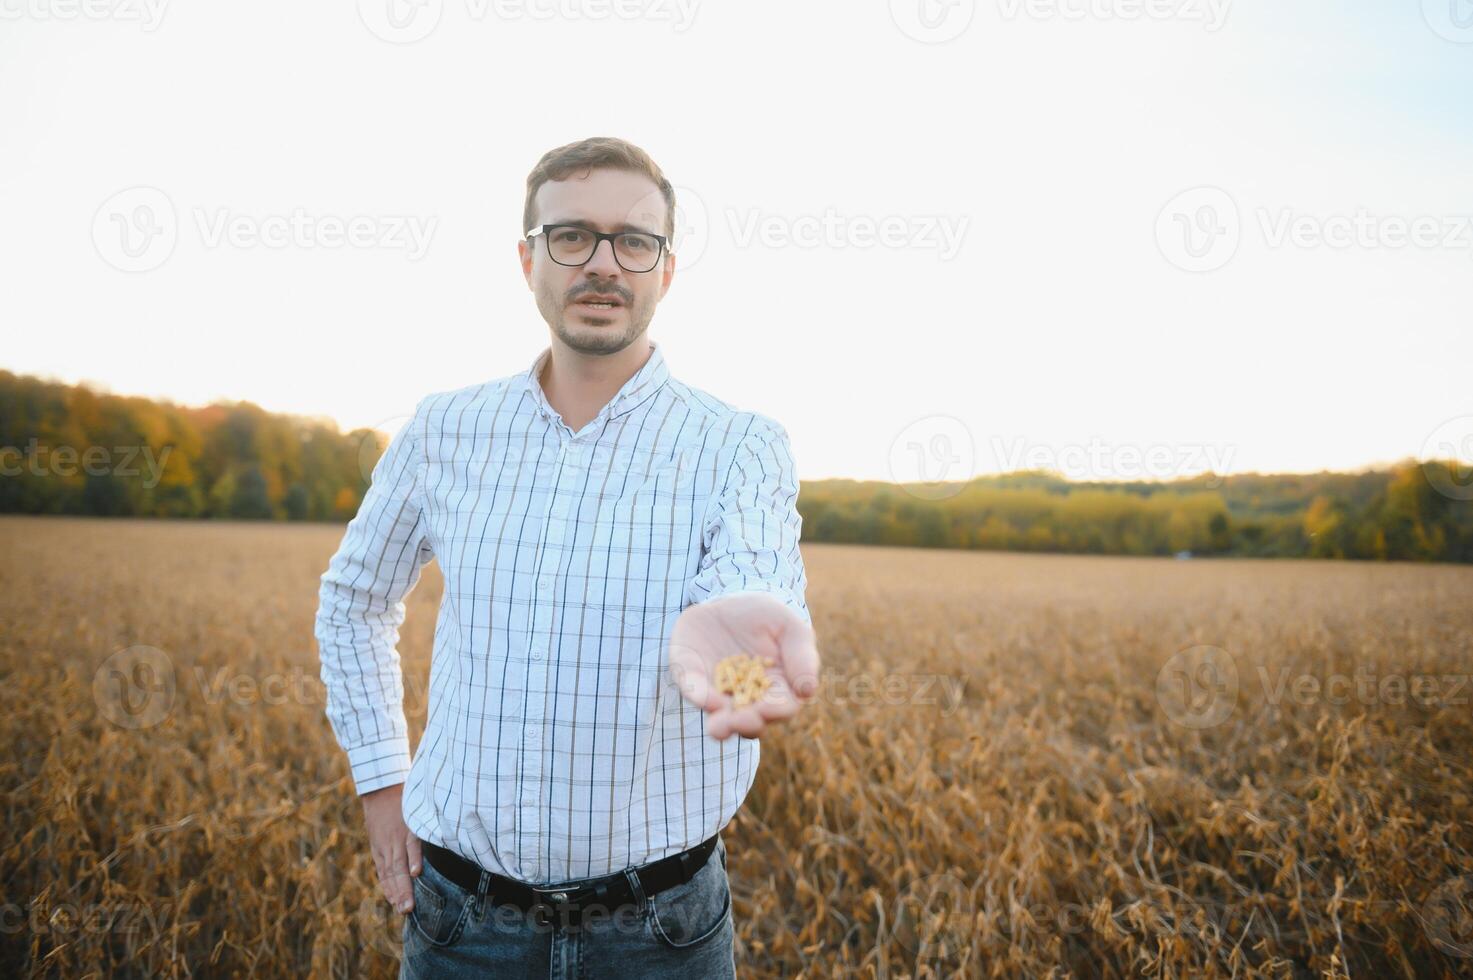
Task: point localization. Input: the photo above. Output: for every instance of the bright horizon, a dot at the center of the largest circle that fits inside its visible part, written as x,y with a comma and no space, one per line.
1238,237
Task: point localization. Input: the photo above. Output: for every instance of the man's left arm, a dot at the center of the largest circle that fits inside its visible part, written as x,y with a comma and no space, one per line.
753,527
749,594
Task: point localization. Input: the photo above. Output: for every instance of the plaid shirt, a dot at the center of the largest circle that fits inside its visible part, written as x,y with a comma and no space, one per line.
556,745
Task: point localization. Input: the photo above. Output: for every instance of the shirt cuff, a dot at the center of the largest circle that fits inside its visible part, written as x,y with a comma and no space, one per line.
789,598
380,764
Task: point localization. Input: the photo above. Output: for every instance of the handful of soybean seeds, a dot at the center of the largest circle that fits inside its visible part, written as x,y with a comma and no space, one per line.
744,677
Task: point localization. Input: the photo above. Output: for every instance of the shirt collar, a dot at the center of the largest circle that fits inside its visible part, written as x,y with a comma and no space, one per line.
646,381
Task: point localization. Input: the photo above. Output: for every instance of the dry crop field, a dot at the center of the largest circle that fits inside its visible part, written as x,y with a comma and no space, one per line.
1018,766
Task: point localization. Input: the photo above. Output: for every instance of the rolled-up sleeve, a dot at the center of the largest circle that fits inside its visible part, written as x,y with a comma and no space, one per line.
753,526
360,610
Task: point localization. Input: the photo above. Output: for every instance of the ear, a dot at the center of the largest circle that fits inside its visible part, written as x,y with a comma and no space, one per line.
525,255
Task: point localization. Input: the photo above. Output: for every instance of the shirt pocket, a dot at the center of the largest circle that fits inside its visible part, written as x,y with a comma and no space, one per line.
642,553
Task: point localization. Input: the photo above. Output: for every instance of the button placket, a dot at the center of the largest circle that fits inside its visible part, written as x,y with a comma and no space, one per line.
535,739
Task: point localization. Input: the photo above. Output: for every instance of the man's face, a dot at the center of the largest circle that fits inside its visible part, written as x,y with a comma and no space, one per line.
602,200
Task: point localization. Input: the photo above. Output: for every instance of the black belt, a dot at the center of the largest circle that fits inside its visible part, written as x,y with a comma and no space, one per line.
606,893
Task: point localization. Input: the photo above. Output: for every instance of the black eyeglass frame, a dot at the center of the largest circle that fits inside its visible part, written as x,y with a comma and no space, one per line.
599,238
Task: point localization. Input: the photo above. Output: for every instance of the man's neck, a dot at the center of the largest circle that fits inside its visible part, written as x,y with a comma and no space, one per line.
578,386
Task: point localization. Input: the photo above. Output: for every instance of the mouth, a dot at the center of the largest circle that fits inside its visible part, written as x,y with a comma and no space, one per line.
600,304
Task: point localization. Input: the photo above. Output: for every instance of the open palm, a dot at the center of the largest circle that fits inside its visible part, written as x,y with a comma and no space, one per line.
759,625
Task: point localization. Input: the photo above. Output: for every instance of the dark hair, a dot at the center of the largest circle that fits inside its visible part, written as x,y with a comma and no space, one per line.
586,154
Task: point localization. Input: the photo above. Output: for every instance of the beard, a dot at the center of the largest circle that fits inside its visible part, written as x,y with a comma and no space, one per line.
587,332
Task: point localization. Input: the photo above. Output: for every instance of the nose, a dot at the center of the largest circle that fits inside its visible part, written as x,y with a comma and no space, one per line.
602,260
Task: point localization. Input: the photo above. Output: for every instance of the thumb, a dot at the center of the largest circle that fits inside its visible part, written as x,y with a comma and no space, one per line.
691,679
415,853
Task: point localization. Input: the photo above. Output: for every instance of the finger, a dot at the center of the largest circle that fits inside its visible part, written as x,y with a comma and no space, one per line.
747,721
726,721
393,878
777,703
800,657
694,682
415,854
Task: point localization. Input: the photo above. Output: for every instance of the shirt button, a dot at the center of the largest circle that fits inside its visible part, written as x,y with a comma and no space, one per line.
536,654
544,584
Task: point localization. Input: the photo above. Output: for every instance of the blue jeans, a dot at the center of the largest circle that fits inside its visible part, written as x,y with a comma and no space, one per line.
684,931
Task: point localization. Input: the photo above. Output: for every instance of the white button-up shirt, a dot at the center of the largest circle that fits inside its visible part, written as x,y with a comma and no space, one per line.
556,745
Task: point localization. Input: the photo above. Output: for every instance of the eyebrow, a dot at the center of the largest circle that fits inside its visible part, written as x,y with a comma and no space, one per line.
593,227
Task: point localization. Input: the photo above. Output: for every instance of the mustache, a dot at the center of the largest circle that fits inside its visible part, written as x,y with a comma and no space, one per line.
625,295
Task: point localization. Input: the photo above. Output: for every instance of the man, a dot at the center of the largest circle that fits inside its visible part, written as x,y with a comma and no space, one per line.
607,535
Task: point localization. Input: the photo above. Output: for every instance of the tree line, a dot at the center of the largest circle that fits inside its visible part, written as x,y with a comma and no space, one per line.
1413,511
70,449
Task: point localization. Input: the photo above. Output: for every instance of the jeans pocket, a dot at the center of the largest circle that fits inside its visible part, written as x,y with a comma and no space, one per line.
440,907
691,913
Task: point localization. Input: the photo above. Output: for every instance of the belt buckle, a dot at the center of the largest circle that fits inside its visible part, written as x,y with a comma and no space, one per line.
556,897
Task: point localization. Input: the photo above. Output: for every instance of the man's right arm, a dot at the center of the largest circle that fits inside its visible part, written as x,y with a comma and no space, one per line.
360,609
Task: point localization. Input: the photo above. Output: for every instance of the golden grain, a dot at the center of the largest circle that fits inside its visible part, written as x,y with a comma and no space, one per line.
744,677
986,784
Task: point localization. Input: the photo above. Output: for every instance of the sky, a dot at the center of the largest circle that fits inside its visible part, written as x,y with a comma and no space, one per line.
933,238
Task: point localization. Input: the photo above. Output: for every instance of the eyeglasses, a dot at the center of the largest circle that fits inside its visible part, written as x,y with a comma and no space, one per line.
635,251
